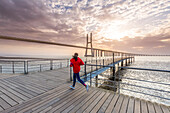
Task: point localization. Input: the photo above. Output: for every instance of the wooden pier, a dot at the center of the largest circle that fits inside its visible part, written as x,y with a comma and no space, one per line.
48,92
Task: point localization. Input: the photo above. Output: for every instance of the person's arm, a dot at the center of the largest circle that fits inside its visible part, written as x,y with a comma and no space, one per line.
81,62
71,64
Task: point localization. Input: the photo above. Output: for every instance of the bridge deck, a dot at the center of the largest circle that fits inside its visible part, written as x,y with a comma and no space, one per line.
49,92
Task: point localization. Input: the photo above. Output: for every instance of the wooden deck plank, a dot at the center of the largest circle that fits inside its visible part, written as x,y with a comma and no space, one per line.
100,103
62,102
150,107
28,83
21,87
38,80
71,101
82,108
17,89
30,88
112,104
157,108
144,108
130,108
14,92
92,105
4,104
165,109
37,100
91,92
124,106
54,78
1,108
14,97
118,104
45,101
83,102
65,99
137,106
8,99
106,103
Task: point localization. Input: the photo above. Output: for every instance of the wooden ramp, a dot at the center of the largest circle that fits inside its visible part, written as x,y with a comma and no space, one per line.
49,92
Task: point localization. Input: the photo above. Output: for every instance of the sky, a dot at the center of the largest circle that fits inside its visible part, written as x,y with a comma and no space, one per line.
136,26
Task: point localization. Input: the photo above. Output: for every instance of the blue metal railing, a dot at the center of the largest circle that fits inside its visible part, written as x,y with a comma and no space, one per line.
116,82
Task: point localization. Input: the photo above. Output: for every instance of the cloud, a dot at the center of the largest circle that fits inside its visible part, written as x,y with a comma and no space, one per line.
119,24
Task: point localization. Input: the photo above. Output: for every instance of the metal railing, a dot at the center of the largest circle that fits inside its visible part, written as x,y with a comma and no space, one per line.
26,66
118,85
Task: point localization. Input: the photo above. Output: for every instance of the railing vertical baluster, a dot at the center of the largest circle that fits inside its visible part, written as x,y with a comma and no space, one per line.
13,70
122,60
51,64
97,81
103,62
113,67
25,72
0,69
96,59
71,74
118,80
60,64
85,70
91,75
27,67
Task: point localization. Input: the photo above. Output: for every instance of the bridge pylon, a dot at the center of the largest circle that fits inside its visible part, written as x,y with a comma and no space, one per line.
89,46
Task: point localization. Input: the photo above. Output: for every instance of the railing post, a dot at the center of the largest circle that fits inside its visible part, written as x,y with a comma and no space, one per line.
0,69
60,64
70,73
85,70
25,72
90,75
96,59
126,61
103,62
118,81
96,64
51,64
13,70
97,81
27,68
113,67
122,60
131,59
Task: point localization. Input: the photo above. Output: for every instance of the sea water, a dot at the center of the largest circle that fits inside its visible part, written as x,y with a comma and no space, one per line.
160,79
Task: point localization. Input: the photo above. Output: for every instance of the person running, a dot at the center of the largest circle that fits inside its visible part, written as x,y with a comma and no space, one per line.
75,62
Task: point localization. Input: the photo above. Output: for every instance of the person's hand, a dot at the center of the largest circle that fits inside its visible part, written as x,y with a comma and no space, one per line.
71,64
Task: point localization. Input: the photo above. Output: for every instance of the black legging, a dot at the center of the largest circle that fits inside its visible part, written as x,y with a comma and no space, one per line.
76,75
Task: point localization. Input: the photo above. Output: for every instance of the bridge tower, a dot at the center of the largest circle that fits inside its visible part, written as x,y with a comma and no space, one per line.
89,43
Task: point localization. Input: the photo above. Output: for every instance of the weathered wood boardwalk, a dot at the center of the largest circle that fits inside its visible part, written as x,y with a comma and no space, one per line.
48,92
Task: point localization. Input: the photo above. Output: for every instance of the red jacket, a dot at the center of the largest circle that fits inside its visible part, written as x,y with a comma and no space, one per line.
76,64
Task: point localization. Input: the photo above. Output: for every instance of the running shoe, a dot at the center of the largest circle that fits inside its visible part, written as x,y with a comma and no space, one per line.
87,88
72,87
